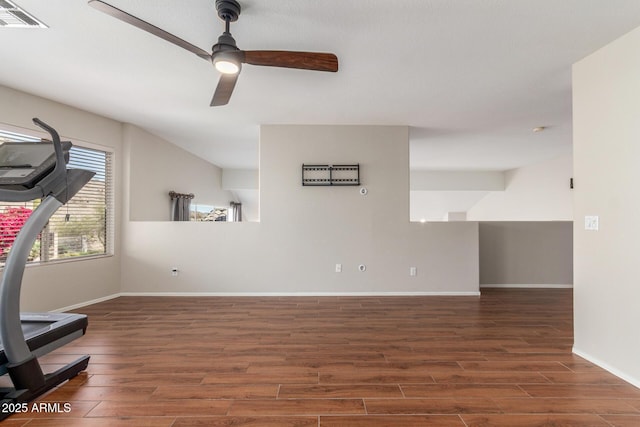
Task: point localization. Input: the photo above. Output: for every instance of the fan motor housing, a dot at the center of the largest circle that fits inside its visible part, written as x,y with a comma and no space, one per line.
228,10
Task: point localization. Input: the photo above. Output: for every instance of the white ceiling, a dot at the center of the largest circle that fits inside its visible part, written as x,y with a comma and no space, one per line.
471,77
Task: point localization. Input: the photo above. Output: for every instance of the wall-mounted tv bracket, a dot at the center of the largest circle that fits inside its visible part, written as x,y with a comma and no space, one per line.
324,175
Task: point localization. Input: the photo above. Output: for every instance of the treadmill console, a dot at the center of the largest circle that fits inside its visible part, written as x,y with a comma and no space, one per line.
23,164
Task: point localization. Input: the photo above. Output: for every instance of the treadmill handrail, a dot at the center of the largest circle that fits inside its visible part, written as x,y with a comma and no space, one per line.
44,187
15,347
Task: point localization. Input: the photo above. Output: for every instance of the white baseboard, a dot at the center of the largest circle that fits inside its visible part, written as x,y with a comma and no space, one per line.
86,303
293,294
530,286
631,380
260,294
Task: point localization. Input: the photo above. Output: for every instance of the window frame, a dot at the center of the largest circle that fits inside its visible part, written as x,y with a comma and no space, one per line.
110,203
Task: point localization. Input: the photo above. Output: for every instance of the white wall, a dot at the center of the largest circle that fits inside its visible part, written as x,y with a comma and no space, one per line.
434,194
157,167
436,205
305,231
244,185
435,180
538,192
57,285
606,106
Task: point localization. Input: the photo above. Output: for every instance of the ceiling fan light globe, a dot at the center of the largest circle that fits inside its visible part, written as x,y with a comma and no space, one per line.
226,67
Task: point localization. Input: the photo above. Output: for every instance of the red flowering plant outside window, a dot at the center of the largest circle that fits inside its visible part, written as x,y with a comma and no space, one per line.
12,218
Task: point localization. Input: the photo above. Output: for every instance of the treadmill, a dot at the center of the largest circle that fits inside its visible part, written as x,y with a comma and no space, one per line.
28,171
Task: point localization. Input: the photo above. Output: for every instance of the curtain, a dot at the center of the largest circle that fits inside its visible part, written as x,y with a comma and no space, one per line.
236,211
180,206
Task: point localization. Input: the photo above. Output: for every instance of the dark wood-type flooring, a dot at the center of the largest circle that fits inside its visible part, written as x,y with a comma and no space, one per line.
502,359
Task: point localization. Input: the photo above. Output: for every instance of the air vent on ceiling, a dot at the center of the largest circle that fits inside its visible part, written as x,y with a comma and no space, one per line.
11,15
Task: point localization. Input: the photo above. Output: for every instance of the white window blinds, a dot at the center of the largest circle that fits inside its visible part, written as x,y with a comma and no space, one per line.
83,227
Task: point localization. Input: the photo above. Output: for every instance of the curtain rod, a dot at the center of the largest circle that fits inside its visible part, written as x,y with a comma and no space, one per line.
175,195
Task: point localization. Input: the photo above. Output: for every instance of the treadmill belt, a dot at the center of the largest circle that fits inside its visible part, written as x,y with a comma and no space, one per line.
42,329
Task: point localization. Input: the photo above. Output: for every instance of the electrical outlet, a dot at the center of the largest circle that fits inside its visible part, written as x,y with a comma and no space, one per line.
591,222
174,271
338,268
413,271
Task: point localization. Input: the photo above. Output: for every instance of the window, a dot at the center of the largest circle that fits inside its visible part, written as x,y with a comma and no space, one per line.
83,227
208,213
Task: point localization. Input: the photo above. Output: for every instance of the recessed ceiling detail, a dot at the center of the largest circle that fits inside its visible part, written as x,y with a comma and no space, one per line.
12,16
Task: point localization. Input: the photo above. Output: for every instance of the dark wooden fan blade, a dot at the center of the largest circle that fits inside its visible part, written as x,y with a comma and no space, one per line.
224,90
287,59
150,28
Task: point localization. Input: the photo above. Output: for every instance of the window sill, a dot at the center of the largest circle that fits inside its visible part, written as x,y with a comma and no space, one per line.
65,261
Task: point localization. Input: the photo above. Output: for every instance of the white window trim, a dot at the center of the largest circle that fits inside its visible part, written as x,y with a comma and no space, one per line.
111,243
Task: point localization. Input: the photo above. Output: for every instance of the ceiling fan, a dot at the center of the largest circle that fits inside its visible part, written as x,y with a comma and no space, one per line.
225,55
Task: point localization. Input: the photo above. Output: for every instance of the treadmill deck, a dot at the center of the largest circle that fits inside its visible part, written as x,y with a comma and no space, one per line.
42,329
